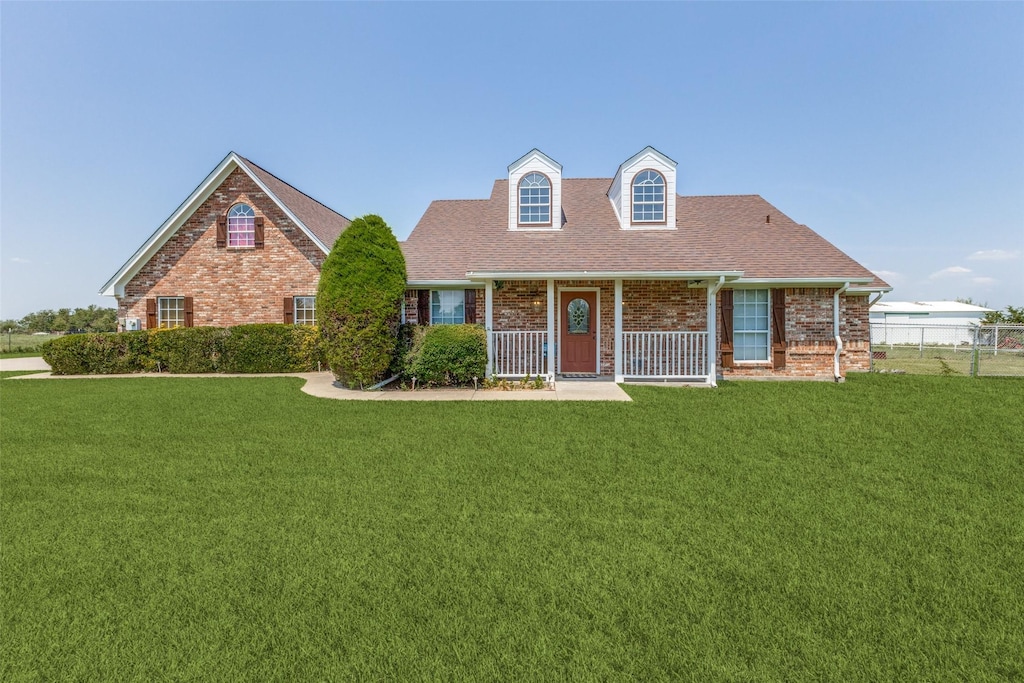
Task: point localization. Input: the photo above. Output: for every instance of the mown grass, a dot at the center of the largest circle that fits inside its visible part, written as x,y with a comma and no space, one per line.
207,529
948,361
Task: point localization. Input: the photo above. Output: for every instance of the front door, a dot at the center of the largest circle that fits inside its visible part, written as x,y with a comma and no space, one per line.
579,332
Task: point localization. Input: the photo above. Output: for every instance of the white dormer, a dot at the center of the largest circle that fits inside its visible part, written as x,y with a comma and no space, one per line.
643,192
535,193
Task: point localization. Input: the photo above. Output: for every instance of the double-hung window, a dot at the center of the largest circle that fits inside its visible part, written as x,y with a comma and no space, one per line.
447,307
750,324
305,310
170,312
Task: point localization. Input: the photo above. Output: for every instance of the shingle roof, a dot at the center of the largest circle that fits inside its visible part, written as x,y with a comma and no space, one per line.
322,221
719,233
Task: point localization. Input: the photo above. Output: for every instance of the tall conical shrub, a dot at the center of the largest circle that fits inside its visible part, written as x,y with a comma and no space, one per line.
359,301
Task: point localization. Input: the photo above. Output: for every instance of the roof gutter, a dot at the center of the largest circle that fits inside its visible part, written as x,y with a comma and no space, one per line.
605,275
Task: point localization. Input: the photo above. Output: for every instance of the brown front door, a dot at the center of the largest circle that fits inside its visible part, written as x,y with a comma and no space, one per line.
579,331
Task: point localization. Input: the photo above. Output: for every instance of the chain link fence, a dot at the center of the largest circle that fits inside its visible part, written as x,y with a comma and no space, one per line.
986,350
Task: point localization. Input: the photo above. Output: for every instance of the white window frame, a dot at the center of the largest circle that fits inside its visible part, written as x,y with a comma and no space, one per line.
168,306
647,202
242,227
529,200
454,299
308,316
746,318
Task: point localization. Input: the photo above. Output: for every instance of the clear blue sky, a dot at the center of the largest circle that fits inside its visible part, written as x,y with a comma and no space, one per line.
894,130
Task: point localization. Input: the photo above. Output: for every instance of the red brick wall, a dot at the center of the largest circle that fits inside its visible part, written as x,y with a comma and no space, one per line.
810,345
229,286
514,307
663,306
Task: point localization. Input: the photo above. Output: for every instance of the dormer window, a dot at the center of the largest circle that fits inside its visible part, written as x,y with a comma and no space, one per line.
648,197
535,200
241,226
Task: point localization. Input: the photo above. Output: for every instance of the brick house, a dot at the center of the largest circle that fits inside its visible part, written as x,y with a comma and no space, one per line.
625,278
244,247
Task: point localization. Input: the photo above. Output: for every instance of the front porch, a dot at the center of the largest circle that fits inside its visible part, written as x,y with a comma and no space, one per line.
617,328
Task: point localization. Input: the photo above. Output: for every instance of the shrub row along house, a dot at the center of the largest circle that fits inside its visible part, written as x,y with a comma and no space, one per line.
618,277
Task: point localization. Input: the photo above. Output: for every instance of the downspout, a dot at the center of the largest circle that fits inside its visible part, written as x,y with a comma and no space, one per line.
712,349
835,331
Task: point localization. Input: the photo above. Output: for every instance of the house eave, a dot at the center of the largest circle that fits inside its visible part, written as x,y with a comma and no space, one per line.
729,275
414,284
807,282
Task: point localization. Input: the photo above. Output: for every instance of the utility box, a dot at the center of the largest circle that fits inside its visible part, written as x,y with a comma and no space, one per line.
132,324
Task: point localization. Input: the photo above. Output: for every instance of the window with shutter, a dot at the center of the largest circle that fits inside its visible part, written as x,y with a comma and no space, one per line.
152,322
471,306
725,297
289,310
779,328
423,307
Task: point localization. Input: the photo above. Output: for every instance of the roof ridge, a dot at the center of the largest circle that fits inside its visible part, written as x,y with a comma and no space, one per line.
285,182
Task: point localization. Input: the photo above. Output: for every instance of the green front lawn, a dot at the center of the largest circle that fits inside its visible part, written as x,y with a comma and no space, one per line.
237,529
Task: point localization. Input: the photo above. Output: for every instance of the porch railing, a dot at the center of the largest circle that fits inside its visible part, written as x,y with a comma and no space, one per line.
519,353
665,355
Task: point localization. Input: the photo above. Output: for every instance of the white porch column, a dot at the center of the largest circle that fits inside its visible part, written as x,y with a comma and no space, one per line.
551,329
489,324
619,377
712,350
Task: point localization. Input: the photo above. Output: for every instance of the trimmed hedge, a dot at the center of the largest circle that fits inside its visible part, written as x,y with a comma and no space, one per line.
187,350
270,348
104,353
242,349
447,354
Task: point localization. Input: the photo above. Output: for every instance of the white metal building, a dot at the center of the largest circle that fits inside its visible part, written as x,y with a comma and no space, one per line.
924,322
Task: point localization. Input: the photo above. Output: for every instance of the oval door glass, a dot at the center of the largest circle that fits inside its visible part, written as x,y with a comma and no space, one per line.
578,314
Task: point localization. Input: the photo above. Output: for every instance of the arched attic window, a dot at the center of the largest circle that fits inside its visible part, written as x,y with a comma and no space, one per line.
241,226
535,200
648,197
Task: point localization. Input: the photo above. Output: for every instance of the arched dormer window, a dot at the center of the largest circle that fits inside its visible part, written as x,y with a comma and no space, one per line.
648,197
241,226
535,200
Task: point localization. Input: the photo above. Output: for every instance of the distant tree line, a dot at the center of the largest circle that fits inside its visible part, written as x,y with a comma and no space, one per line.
91,319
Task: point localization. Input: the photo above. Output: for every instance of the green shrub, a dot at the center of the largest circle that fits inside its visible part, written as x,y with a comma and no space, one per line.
98,354
187,350
359,301
269,347
448,354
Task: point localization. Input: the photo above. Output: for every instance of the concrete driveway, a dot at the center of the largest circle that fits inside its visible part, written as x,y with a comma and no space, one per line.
9,364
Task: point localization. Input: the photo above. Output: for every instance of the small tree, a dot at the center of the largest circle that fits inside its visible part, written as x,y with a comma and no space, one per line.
359,301
1013,315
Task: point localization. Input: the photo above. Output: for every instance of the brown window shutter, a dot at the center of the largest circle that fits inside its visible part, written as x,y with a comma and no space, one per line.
222,231
151,319
471,306
779,328
258,239
188,311
289,310
725,296
423,306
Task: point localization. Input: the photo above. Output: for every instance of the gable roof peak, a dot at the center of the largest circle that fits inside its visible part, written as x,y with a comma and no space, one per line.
664,158
534,154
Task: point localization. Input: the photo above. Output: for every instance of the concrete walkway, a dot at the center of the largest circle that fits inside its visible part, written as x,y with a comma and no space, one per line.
322,385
